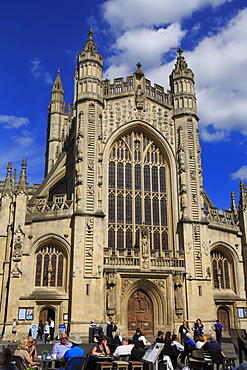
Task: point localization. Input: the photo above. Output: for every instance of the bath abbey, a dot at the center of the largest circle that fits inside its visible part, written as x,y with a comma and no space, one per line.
121,225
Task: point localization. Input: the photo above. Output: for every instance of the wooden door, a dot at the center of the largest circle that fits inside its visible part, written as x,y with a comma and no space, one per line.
140,313
43,315
223,317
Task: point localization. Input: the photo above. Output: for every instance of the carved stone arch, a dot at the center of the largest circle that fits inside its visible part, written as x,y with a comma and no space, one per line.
59,240
158,298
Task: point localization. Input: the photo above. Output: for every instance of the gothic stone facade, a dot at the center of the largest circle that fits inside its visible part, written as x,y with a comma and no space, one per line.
121,226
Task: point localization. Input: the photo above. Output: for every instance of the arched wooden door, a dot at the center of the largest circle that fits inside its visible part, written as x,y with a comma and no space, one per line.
223,317
140,312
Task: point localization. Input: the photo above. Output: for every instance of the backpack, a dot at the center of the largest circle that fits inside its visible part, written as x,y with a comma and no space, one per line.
217,329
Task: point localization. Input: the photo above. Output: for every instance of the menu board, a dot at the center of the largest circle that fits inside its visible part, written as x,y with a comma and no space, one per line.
152,355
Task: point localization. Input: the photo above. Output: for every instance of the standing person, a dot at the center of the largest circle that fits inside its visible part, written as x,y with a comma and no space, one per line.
198,329
217,327
47,331
52,327
40,334
109,328
183,330
14,331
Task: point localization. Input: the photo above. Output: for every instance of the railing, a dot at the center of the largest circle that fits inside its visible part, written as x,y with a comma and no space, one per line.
223,217
59,203
121,87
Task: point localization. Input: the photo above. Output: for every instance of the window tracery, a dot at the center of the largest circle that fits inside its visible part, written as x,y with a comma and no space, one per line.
137,193
222,270
50,266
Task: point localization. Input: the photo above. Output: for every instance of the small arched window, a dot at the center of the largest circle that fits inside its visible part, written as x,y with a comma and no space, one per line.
50,266
222,270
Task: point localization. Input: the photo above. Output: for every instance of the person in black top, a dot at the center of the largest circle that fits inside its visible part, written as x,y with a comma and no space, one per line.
40,334
183,330
160,338
137,334
198,328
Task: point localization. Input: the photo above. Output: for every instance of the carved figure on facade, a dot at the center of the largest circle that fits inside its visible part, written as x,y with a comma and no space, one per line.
178,293
110,292
78,195
90,189
89,223
79,149
79,172
18,244
90,164
208,272
189,247
16,272
206,248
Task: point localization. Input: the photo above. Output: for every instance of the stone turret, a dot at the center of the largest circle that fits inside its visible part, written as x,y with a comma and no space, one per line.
88,74
54,128
182,86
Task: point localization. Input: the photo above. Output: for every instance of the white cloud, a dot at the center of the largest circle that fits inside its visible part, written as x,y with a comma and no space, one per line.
144,45
38,72
10,122
127,14
240,174
205,135
24,140
219,64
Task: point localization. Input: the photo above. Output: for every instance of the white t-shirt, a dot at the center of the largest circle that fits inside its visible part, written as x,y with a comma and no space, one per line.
143,339
124,349
199,344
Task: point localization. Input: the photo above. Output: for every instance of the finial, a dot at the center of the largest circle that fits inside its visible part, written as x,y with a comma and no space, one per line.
90,33
22,187
8,185
180,51
138,65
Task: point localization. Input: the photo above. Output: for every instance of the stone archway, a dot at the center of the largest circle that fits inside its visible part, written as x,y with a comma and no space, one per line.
140,312
223,317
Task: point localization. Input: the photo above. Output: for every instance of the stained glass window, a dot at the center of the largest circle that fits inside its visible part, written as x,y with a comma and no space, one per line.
49,266
137,193
222,270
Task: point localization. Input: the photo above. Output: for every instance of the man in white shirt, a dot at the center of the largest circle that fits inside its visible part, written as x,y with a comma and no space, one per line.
123,350
176,343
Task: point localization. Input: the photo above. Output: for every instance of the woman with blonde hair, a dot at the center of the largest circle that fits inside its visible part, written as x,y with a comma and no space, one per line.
22,351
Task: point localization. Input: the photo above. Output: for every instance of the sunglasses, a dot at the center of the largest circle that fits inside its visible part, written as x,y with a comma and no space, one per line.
64,338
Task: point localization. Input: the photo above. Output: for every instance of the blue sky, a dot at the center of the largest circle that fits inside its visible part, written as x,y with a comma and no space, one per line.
38,37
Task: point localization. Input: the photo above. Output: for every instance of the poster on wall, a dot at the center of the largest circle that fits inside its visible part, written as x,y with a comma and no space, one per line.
25,313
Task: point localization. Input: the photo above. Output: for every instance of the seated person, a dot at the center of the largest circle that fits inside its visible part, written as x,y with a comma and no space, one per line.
176,343
137,334
5,360
160,338
102,347
213,345
74,351
22,351
32,349
144,339
188,343
200,341
168,339
60,348
123,350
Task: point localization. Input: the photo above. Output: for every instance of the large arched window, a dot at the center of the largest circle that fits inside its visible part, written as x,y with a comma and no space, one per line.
50,266
137,193
222,270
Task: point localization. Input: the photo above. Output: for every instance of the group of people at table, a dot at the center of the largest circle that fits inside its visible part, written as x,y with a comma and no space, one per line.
65,350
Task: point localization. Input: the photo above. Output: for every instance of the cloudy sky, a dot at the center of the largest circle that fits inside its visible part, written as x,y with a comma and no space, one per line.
38,37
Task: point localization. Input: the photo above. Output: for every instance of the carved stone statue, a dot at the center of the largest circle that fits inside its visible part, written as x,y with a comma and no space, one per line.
110,298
